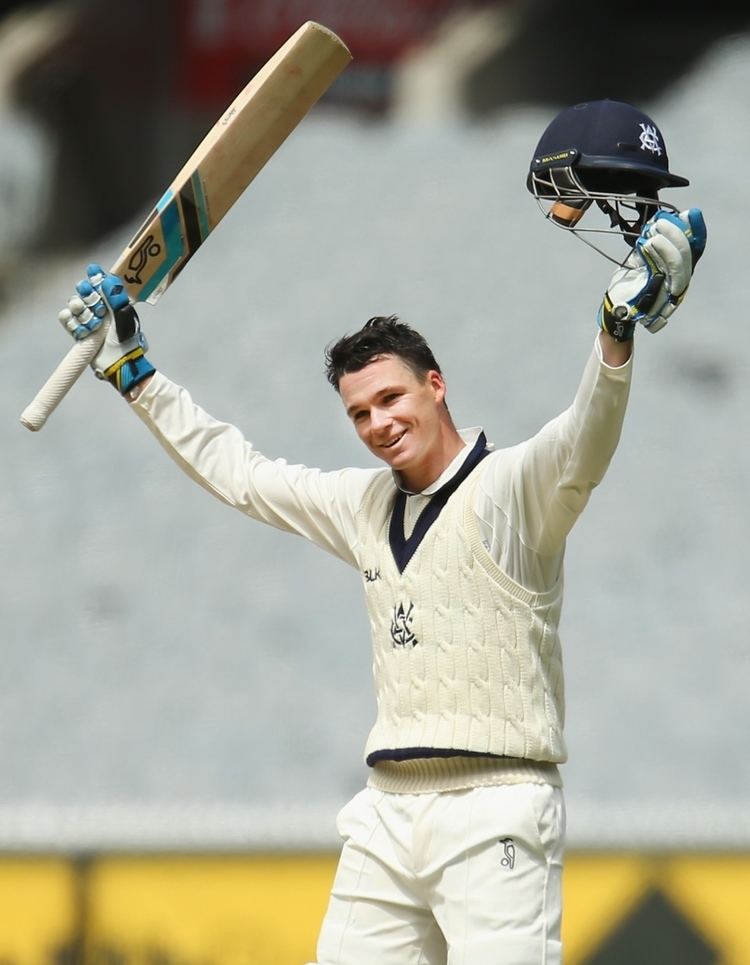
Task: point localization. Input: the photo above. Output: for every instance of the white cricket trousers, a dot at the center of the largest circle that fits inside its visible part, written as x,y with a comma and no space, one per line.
468,877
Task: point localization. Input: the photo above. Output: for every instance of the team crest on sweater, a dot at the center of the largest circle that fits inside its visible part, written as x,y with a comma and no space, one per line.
401,631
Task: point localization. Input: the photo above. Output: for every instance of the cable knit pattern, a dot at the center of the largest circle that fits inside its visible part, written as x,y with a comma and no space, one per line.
463,657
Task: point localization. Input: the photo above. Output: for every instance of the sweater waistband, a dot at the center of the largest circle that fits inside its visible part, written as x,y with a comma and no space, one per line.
436,774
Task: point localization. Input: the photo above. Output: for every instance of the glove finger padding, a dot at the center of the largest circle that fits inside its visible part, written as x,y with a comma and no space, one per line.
654,278
115,296
667,249
78,319
102,299
667,252
696,232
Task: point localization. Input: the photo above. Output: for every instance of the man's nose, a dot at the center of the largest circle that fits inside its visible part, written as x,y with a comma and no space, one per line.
379,419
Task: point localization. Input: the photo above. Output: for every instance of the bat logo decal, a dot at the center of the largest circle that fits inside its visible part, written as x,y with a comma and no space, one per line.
148,248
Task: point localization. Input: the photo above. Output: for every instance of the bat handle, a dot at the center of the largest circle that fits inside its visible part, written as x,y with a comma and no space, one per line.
62,379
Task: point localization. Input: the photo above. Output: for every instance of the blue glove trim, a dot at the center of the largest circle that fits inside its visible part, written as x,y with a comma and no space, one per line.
115,292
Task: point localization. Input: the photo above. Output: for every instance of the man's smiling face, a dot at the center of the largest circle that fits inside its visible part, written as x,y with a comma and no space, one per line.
398,416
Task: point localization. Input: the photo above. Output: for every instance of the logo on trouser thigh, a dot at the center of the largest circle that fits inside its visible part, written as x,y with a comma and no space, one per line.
509,853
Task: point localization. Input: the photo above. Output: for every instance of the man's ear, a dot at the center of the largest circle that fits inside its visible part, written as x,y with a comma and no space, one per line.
437,383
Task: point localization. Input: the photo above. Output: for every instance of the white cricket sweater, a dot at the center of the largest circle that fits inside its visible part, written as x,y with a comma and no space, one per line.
464,658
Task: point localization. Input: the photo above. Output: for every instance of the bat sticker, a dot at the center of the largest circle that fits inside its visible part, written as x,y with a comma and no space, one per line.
148,248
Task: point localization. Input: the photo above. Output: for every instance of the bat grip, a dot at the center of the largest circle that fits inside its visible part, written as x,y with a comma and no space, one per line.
62,379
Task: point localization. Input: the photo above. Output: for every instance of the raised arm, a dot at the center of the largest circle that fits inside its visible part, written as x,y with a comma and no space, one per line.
568,458
320,506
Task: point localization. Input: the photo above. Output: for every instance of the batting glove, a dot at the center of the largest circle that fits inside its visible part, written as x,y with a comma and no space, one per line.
654,278
102,298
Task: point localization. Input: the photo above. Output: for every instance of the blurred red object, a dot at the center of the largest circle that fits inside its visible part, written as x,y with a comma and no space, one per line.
223,42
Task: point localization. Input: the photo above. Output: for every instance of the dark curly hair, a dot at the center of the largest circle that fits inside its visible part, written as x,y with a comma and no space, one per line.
380,335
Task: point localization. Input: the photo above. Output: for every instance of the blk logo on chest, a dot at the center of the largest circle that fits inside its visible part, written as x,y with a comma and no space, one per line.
371,575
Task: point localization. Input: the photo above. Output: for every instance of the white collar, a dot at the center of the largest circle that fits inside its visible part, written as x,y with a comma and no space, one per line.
469,437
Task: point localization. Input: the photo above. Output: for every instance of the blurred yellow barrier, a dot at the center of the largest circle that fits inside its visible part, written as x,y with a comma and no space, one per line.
229,910
251,909
38,910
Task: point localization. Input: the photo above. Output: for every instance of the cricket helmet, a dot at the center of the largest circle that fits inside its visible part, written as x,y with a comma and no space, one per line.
604,152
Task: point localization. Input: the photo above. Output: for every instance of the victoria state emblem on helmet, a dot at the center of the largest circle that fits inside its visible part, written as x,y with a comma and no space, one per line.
401,631
650,139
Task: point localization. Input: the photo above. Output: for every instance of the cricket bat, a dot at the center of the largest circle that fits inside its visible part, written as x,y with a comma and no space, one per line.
236,148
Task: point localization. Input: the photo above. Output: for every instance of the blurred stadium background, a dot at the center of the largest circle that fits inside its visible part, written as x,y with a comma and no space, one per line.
184,696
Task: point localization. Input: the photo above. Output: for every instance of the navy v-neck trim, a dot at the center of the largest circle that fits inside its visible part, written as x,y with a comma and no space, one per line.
402,548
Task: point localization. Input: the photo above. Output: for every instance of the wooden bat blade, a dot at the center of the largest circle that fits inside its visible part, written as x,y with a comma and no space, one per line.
228,158
236,148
